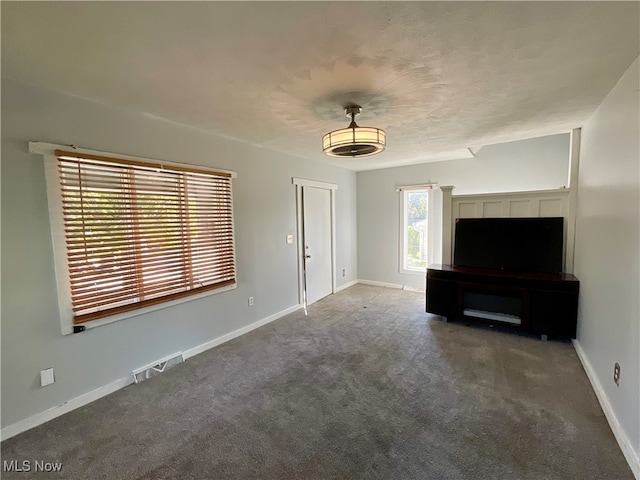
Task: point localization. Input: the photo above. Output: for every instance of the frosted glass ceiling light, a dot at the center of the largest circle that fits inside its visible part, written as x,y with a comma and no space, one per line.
354,141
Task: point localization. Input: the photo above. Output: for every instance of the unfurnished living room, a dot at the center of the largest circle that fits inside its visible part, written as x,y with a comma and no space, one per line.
314,240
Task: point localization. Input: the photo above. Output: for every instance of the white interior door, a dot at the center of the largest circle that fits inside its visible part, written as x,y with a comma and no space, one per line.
317,242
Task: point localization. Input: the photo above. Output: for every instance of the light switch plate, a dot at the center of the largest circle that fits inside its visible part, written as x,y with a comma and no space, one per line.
46,377
289,239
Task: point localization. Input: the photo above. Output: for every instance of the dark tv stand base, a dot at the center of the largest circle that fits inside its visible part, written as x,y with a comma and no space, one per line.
542,304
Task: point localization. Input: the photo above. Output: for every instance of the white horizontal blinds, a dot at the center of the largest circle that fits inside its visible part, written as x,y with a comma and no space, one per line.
139,234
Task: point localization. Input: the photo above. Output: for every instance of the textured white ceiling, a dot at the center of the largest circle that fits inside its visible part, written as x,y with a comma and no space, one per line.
439,77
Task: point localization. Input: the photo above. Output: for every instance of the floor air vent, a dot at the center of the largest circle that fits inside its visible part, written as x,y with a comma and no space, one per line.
157,367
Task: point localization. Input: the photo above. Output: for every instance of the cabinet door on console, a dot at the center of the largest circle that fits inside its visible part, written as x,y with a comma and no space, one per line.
442,297
554,313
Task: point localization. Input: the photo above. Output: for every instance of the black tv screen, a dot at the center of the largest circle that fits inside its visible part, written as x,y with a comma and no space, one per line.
514,244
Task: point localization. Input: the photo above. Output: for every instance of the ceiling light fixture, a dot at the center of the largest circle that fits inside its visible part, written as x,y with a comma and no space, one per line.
354,141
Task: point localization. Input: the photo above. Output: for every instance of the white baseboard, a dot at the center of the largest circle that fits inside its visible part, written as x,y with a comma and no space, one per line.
346,285
380,284
53,412
81,400
626,446
236,333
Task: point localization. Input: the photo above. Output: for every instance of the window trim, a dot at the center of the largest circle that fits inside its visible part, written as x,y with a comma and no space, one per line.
401,224
54,199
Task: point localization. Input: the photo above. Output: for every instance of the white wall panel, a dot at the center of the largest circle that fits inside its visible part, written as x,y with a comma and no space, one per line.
550,203
554,207
492,209
519,208
467,209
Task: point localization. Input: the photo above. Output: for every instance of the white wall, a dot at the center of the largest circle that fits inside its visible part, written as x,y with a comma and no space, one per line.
535,164
264,213
607,259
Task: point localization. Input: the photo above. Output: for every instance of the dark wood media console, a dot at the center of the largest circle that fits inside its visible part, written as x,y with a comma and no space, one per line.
540,303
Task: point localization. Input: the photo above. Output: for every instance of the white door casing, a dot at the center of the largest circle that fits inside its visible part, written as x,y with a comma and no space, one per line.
316,239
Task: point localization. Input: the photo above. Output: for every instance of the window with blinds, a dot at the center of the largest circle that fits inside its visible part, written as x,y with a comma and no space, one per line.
139,233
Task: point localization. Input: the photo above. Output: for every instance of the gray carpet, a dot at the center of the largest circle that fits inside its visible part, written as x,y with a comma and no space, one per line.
367,386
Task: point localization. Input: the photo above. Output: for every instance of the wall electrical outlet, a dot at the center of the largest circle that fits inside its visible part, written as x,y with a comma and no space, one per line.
47,377
616,373
344,272
250,301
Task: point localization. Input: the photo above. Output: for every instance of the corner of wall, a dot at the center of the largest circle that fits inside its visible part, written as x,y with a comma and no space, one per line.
633,457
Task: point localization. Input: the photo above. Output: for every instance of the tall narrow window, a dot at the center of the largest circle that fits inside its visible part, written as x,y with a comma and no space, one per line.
139,233
413,230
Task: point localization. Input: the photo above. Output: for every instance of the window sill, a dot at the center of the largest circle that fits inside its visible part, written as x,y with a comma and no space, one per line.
413,272
67,324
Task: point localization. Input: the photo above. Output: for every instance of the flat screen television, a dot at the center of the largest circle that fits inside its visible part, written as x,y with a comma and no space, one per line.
514,244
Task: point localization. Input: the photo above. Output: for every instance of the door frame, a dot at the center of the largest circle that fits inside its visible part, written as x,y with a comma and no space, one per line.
300,183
